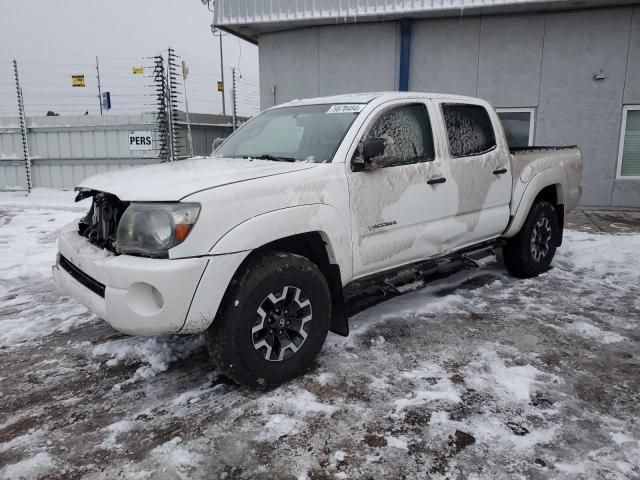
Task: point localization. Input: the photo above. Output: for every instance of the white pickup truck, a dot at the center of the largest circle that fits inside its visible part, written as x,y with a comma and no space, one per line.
258,244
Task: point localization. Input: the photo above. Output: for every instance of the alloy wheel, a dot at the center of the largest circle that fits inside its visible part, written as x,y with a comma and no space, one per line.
540,239
282,322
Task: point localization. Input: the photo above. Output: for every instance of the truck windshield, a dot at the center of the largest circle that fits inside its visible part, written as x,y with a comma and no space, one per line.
310,133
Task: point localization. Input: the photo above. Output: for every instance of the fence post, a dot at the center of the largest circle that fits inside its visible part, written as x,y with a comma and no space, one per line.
185,74
224,109
233,96
23,127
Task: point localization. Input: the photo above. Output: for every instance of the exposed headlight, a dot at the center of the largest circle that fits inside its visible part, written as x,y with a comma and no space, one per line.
151,229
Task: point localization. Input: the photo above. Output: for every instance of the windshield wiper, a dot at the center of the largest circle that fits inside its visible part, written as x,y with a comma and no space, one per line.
266,156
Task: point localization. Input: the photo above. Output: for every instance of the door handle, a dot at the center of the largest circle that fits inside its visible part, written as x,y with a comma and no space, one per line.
433,181
500,171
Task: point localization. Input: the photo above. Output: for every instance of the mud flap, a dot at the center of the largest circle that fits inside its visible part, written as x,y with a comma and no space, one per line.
560,213
339,319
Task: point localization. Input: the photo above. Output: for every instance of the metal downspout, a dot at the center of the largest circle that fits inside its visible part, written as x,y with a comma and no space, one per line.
405,54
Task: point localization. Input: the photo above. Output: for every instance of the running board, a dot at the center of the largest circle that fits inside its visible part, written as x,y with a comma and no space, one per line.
368,291
480,259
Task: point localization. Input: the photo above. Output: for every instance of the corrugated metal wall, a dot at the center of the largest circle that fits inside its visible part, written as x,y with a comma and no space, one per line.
65,150
237,12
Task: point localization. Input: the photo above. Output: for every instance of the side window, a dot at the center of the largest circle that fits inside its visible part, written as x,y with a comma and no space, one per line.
469,129
407,131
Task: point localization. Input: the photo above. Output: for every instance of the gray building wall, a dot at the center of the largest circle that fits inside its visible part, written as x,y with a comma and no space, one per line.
546,61
328,60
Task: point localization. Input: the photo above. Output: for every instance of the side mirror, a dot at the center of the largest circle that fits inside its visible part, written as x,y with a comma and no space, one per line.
373,147
216,143
373,155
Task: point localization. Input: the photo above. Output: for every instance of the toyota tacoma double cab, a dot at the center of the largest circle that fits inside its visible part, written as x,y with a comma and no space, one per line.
259,244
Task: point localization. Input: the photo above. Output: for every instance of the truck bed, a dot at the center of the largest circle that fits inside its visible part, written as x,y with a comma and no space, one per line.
522,150
565,160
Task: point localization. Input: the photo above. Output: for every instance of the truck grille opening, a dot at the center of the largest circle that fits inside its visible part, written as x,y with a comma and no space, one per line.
91,283
100,224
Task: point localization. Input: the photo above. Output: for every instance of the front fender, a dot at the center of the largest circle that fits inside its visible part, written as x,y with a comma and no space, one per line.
268,227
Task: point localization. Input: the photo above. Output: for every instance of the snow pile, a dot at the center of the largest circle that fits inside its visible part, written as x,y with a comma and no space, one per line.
441,388
294,400
276,427
44,198
155,353
37,466
114,430
177,460
594,333
30,302
490,373
611,259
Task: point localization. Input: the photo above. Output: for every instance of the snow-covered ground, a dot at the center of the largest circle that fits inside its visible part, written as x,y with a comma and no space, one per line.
477,376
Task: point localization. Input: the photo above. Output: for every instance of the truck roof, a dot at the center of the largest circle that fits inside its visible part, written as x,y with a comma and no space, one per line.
367,97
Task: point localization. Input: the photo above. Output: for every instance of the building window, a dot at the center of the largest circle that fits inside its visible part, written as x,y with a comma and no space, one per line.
518,124
469,129
629,154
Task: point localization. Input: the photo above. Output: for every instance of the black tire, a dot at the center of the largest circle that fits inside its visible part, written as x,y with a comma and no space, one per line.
531,251
233,345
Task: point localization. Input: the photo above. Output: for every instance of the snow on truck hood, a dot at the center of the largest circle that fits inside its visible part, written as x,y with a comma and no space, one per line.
175,180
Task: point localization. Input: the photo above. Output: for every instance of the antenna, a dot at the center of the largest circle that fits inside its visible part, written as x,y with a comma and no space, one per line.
162,118
99,86
172,73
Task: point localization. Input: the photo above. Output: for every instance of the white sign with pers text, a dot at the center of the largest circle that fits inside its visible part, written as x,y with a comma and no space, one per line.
140,140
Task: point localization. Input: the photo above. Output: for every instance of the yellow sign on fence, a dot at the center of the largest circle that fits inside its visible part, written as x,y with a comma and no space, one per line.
220,86
77,80
138,70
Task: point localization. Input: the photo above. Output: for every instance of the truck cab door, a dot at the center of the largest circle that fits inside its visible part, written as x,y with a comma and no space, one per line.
399,198
479,166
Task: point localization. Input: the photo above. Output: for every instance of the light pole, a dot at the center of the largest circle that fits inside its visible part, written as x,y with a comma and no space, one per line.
224,112
208,3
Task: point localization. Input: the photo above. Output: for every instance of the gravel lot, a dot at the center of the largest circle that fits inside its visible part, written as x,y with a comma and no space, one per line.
477,376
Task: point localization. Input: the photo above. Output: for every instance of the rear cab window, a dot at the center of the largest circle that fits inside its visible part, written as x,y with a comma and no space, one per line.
469,129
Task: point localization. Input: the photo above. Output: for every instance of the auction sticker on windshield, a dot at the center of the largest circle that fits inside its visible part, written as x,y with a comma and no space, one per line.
347,108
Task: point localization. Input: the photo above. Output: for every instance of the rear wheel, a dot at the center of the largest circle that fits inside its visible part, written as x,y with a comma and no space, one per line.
531,251
273,320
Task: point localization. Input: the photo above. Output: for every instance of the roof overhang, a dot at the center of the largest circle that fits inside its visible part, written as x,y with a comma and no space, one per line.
249,19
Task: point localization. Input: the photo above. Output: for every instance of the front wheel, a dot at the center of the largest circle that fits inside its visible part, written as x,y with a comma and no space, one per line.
531,251
273,320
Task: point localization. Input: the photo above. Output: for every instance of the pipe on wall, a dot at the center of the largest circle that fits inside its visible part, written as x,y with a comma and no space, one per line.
405,54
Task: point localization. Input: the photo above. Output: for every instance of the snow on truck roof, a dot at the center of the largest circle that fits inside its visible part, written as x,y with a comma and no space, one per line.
369,96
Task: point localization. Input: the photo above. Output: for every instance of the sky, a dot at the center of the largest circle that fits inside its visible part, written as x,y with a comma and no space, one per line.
52,40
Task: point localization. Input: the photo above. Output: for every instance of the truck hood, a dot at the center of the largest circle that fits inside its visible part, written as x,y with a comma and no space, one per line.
175,180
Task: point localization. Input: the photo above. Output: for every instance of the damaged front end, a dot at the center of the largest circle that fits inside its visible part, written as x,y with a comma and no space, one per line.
100,224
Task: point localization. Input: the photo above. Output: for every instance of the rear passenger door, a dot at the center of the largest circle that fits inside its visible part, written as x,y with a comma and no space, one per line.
479,172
